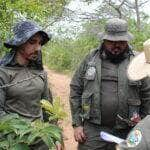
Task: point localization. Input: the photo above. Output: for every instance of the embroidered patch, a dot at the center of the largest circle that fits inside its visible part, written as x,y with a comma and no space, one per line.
134,138
90,73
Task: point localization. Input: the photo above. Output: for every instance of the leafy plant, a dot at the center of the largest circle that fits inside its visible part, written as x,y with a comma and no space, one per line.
17,133
54,110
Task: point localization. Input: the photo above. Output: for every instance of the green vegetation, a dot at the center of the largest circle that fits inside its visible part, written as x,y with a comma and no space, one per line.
139,36
65,55
18,133
55,110
41,11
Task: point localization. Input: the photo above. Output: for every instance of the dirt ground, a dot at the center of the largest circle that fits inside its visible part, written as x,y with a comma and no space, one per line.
59,85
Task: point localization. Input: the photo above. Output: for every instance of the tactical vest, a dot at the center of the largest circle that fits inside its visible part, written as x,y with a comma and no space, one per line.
128,91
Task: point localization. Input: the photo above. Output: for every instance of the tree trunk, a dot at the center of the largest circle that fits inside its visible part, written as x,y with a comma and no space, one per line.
137,15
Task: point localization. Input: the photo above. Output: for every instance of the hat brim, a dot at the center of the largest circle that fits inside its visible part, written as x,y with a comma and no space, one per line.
138,68
116,37
15,42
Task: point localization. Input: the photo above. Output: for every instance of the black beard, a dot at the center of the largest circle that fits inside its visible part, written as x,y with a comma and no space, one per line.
115,58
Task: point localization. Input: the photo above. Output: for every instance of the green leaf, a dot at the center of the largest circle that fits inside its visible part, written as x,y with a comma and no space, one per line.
48,141
33,136
11,138
19,131
54,110
4,144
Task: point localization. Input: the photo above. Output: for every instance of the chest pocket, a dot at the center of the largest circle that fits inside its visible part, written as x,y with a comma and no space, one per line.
134,83
134,88
25,83
134,100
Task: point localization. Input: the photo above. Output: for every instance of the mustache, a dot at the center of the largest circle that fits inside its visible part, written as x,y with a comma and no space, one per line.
115,58
34,55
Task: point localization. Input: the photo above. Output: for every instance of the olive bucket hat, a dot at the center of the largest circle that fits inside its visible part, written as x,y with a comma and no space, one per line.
23,31
116,30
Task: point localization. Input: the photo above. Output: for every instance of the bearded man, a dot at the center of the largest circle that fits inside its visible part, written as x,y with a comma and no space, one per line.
102,97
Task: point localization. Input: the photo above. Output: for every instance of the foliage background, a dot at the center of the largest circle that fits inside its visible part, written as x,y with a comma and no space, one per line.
18,133
12,11
63,53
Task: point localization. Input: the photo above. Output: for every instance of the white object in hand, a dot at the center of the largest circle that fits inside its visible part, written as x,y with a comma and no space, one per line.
110,138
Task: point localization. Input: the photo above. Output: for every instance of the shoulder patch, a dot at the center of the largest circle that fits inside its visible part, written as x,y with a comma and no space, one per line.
134,138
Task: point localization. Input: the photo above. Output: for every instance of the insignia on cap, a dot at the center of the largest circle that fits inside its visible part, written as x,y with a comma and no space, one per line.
134,138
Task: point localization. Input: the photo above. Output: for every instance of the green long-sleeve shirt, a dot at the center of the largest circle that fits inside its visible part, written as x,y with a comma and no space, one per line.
24,97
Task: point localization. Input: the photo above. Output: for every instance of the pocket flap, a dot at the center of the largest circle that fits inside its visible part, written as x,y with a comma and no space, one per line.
134,102
135,83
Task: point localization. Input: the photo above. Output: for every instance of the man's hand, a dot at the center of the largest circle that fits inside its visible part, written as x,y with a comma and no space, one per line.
136,118
79,134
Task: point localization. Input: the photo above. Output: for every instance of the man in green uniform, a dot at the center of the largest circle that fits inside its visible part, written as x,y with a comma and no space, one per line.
102,98
23,81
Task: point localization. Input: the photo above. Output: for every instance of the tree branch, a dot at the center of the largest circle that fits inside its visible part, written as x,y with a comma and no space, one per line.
143,3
